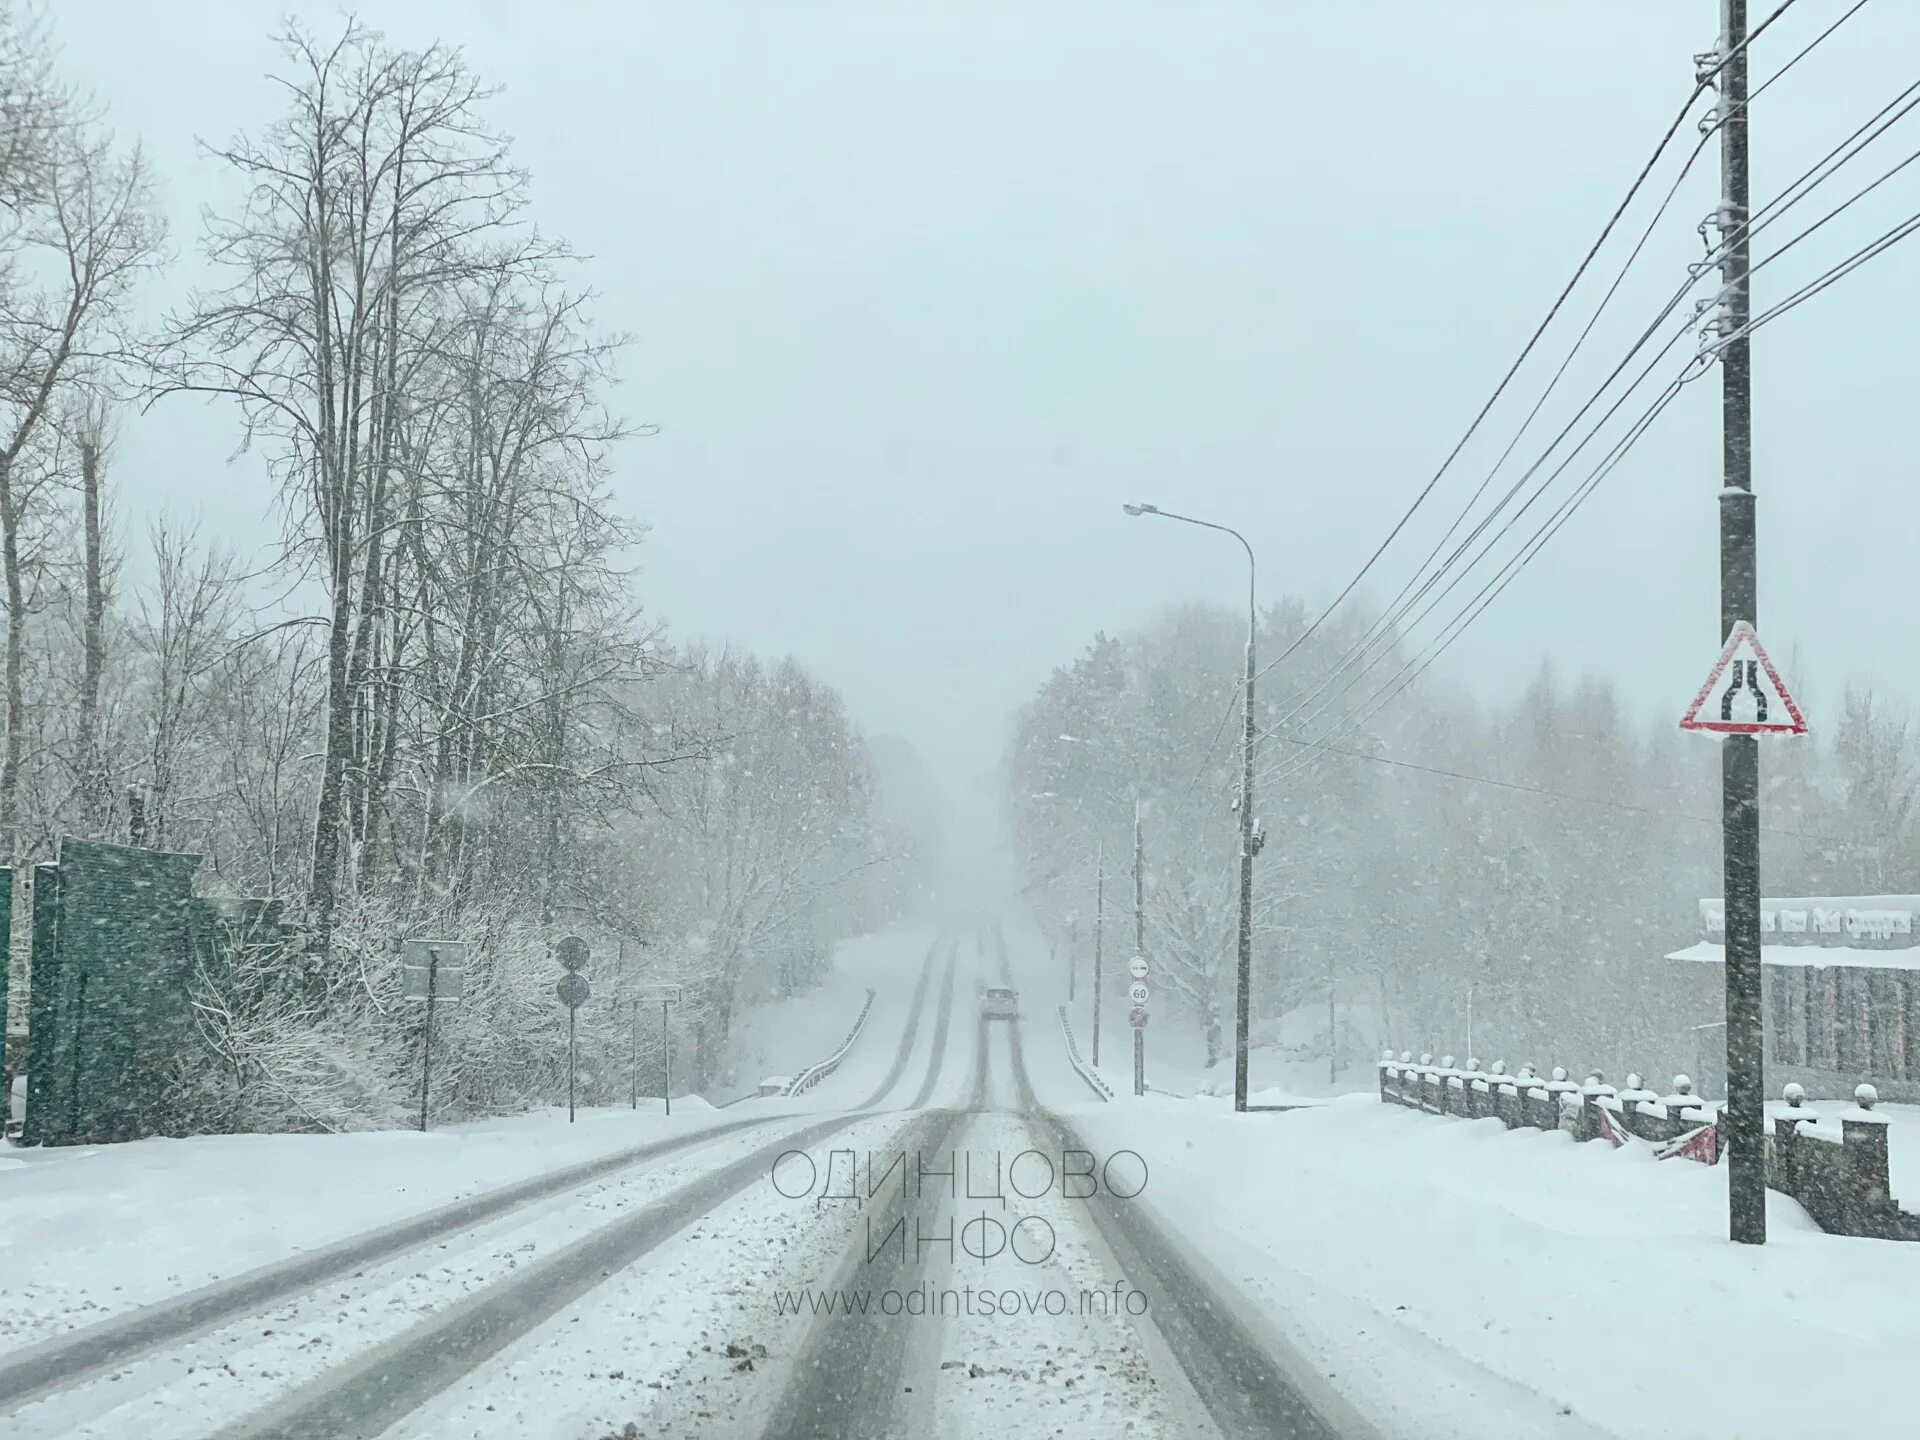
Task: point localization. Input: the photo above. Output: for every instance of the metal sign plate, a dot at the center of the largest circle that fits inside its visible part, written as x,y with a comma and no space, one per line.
449,982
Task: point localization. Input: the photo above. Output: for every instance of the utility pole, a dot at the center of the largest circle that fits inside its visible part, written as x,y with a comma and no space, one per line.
1250,837
426,1044
1099,925
1740,755
1243,981
1333,1049
633,1051
1139,944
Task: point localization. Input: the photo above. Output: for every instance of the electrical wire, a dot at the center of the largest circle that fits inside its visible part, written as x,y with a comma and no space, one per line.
1488,593
1417,665
1817,174
1542,790
1553,312
1401,603
1701,83
1837,273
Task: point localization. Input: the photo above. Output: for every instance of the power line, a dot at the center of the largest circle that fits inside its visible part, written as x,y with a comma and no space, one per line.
1831,165
1502,578
1402,602
1540,790
1805,50
1784,201
1701,83
1767,215
1513,519
1839,272
1553,312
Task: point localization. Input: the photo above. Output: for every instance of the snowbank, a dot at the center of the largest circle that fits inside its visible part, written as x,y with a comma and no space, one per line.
783,1037
1456,1278
92,1230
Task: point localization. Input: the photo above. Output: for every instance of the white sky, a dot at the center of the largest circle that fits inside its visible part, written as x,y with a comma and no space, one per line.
921,292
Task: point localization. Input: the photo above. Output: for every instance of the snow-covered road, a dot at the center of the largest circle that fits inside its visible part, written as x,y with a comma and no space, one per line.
899,1252
953,1235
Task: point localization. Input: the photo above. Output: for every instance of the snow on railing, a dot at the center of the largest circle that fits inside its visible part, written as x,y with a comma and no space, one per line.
1843,1182
1084,1071
814,1074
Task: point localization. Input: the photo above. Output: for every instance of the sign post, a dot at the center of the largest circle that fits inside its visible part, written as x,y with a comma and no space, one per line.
666,995
573,991
1138,967
1743,700
1138,993
431,971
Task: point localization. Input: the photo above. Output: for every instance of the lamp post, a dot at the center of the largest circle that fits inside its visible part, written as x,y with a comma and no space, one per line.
1249,841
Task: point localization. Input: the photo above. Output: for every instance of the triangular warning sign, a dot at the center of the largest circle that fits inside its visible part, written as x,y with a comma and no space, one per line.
1744,694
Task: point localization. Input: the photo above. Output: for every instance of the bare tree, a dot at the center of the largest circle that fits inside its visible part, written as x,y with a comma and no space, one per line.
76,256
372,196
35,109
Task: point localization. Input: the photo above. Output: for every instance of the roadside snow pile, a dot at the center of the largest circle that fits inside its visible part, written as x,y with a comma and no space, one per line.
1456,1278
89,1231
783,1037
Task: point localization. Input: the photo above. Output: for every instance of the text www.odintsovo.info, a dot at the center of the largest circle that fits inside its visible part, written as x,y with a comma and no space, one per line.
1117,1299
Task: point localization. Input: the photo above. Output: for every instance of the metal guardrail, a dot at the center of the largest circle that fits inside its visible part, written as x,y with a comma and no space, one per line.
814,1074
1084,1071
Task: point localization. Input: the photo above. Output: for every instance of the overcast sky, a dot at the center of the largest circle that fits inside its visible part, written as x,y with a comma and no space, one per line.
919,293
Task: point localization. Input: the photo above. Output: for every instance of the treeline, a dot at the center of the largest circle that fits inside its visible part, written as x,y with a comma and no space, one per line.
1530,906
436,707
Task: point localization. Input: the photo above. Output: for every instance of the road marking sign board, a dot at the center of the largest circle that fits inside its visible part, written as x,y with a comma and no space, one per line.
573,990
1138,1019
1744,694
1137,967
444,960
449,982
571,951
1138,992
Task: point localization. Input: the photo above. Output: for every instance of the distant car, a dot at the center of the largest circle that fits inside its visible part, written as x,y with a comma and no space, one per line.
997,1002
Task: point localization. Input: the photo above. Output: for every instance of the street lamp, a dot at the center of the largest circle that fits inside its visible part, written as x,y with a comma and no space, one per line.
1249,841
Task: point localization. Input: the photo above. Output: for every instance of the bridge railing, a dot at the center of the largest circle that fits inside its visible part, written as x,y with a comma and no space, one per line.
1085,1071
815,1073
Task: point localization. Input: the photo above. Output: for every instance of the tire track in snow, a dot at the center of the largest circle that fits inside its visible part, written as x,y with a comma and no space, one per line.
942,1022
367,1396
1250,1383
374,1392
66,1362
846,1379
910,1038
